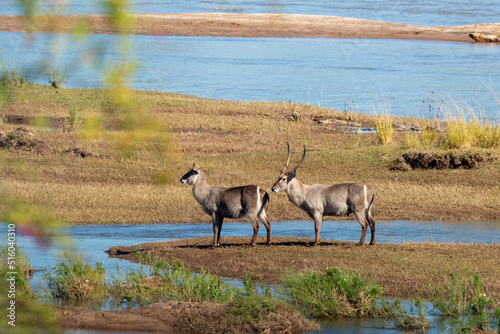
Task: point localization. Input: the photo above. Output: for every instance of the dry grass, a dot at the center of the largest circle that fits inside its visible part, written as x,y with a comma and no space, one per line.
235,143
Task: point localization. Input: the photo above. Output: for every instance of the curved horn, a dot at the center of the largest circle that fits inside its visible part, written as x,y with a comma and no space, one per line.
287,159
301,160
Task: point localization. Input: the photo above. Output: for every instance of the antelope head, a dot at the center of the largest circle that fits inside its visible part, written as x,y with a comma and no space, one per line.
287,176
191,176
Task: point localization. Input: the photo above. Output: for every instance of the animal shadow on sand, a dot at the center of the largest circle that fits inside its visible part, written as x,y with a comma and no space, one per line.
279,243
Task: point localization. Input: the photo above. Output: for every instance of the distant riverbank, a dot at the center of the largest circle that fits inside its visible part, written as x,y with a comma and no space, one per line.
252,25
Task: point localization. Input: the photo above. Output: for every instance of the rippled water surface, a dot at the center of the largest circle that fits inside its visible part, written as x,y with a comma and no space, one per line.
421,12
413,76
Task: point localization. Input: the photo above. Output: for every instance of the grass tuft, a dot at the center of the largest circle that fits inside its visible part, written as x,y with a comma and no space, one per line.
58,76
9,74
409,322
385,128
464,296
428,137
172,281
383,121
335,293
467,127
74,279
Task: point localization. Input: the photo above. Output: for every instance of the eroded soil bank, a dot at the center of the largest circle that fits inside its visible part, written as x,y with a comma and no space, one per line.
182,317
251,25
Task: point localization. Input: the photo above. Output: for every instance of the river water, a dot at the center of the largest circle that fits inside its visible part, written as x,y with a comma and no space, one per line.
411,78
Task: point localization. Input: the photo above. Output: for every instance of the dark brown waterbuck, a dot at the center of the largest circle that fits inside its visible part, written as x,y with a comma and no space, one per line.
220,203
320,200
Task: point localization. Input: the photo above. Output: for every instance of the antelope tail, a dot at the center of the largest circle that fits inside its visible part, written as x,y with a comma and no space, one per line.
265,202
369,210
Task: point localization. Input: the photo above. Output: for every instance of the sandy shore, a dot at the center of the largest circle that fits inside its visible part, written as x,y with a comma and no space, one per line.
253,25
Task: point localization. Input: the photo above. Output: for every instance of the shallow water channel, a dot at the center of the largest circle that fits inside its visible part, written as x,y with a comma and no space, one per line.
91,241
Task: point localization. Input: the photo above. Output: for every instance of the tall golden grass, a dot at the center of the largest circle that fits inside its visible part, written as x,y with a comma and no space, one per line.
383,121
467,126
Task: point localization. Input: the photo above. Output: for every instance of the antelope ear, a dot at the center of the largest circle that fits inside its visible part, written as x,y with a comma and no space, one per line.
196,166
291,175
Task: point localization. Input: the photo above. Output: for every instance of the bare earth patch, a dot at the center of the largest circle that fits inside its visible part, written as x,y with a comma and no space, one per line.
253,25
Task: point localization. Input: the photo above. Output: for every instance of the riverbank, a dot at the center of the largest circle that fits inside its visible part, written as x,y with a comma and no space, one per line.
84,180
403,270
251,25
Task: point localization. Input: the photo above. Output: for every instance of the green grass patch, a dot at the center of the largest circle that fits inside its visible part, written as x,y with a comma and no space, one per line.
465,297
74,279
170,280
334,293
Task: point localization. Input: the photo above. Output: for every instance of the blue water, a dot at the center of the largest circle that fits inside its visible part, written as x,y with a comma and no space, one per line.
420,12
412,77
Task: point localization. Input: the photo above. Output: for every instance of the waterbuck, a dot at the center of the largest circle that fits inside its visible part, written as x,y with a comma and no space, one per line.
236,202
320,200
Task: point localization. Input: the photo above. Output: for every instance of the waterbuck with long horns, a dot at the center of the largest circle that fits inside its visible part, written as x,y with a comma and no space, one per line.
320,200
220,203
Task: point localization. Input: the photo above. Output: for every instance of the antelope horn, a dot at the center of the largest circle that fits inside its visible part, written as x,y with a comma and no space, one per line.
287,159
301,160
